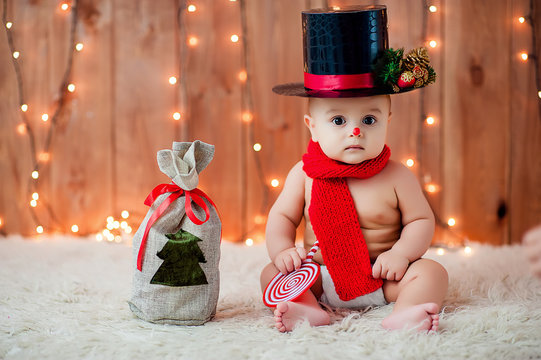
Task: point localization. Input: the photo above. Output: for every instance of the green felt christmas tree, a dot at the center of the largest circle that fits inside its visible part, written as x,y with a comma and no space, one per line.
181,257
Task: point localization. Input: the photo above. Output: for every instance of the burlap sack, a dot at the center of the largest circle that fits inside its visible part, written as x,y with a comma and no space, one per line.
179,278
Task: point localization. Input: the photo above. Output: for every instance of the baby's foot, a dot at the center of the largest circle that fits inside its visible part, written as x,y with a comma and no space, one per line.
423,317
288,314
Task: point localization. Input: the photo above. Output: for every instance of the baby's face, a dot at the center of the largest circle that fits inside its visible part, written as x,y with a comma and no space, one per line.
350,130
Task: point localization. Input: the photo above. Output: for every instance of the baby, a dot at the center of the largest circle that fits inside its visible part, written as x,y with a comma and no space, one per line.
394,217
368,213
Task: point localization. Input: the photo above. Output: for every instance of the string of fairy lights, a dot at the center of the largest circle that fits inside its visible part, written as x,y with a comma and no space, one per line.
251,148
118,229
428,120
40,159
529,20
115,230
431,188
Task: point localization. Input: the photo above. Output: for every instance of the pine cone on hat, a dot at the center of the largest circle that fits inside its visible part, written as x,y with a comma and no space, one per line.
417,57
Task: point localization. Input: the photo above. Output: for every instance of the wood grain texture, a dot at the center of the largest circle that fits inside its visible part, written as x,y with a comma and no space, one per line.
483,151
477,118
524,206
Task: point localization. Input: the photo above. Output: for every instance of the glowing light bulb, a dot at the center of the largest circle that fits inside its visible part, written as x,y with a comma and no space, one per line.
257,147
440,251
433,43
79,46
74,228
336,7
35,196
21,129
44,156
249,242
33,203
467,250
275,183
125,214
16,54
39,229
193,41
1,222
524,56
35,174
116,224
432,8
128,230
191,8
259,219
110,219
172,80
539,94
123,224
71,88
247,116
430,120
431,188
243,76
45,117
410,162
521,19
24,108
9,24
234,38
451,222
99,237
176,116
64,6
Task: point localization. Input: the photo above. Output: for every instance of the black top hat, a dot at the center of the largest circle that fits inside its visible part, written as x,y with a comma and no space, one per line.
346,54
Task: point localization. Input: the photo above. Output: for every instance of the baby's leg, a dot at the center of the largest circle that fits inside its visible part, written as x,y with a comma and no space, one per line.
304,308
419,296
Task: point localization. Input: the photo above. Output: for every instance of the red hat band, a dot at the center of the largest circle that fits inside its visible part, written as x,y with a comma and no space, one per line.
338,82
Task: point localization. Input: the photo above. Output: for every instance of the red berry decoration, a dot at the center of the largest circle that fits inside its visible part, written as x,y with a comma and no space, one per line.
406,80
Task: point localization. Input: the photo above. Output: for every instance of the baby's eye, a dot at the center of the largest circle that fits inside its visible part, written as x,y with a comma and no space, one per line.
338,120
369,120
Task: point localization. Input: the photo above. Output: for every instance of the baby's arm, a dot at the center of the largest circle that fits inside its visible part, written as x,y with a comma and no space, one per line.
417,227
283,220
532,244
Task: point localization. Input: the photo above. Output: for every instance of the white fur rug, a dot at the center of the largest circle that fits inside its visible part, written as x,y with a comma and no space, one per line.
65,298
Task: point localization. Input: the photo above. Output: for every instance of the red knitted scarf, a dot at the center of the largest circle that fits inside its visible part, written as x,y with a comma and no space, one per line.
335,222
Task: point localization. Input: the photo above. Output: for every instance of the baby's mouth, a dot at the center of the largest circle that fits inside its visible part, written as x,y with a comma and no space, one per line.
355,147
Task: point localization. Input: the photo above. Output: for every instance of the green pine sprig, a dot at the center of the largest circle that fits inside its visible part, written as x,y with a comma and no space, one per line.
388,67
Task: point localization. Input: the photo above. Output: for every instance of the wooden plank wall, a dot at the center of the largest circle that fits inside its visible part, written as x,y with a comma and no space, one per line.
482,152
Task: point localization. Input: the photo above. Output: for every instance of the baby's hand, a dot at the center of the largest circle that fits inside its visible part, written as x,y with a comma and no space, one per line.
390,266
532,245
290,259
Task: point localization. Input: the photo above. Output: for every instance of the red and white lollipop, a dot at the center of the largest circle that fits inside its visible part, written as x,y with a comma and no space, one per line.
289,287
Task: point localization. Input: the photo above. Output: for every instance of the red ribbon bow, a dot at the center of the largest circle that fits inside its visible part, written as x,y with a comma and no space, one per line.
196,195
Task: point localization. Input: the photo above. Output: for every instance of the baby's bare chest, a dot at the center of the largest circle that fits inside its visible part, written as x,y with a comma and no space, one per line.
375,202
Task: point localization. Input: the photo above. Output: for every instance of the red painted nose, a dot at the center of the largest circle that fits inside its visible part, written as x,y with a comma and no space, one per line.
356,131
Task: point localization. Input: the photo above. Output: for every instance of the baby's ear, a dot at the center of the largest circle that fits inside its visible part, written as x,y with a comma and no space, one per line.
309,122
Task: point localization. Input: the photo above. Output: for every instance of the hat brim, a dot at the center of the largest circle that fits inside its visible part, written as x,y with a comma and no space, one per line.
298,89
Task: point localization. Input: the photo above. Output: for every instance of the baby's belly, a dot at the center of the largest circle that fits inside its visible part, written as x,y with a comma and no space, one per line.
377,240
380,240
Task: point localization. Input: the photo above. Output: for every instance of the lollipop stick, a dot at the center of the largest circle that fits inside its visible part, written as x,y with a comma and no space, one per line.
313,250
